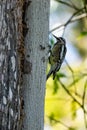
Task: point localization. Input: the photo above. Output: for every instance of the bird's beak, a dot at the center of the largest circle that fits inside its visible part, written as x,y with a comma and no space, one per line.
56,37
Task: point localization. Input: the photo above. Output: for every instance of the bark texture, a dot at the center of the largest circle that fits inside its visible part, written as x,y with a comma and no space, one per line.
10,35
36,42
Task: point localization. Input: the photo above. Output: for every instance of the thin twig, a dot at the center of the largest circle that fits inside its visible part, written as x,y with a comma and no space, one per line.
58,121
68,92
83,103
84,93
75,7
73,18
85,6
69,66
72,76
67,4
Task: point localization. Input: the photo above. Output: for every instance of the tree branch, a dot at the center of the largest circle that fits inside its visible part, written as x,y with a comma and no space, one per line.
67,4
73,18
83,103
68,92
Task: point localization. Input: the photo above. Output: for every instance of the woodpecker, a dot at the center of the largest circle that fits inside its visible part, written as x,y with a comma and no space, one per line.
57,55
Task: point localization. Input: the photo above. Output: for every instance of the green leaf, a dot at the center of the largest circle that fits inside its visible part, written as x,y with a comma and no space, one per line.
52,41
72,128
73,109
51,119
55,87
60,75
75,81
84,33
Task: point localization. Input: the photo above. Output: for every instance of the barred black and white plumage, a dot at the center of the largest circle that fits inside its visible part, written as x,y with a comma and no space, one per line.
57,56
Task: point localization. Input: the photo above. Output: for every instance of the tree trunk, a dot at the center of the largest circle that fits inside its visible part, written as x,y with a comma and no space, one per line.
36,42
18,59
10,41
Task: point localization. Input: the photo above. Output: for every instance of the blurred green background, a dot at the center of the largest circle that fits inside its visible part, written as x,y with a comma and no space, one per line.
66,96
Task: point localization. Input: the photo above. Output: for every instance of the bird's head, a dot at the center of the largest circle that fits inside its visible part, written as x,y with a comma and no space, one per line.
60,39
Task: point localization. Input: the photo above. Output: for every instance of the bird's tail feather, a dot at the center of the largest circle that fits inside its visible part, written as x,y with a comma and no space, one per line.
48,75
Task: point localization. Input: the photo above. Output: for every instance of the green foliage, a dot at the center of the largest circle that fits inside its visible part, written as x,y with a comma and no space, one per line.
51,41
51,119
60,75
72,128
83,34
65,104
73,109
56,87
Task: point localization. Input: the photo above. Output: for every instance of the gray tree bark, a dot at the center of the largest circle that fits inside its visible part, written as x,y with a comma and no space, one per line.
10,41
36,44
18,57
